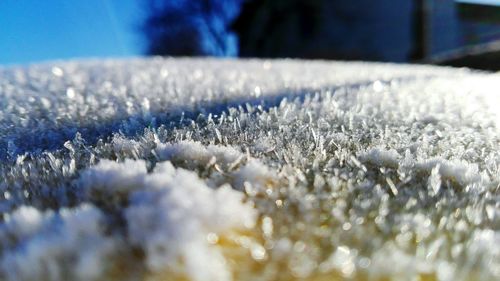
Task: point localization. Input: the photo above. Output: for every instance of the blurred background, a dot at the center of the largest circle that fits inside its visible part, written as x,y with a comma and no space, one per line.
445,32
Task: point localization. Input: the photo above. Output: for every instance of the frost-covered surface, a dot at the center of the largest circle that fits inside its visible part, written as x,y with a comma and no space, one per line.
154,169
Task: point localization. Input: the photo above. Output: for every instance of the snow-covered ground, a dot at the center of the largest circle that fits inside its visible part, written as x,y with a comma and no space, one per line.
206,169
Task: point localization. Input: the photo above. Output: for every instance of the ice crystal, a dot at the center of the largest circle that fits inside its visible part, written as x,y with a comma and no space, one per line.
208,169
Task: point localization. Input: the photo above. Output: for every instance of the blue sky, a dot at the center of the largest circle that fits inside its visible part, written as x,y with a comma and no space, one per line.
41,30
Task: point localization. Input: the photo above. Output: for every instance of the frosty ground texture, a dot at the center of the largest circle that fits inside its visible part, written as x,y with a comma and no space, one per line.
204,169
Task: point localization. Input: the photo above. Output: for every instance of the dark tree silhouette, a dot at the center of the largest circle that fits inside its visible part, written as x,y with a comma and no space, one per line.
307,29
277,28
191,27
421,44
341,29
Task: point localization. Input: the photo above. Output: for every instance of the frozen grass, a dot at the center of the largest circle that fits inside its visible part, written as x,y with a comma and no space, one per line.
248,170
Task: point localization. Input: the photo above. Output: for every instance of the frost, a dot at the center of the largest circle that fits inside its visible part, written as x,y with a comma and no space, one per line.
51,242
206,169
461,171
196,152
435,180
239,167
383,263
170,213
113,178
381,157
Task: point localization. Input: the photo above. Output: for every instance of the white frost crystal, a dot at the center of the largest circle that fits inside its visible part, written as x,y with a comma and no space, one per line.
196,152
173,212
170,213
114,178
46,244
206,169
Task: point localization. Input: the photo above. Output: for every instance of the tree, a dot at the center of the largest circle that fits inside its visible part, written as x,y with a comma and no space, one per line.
191,27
